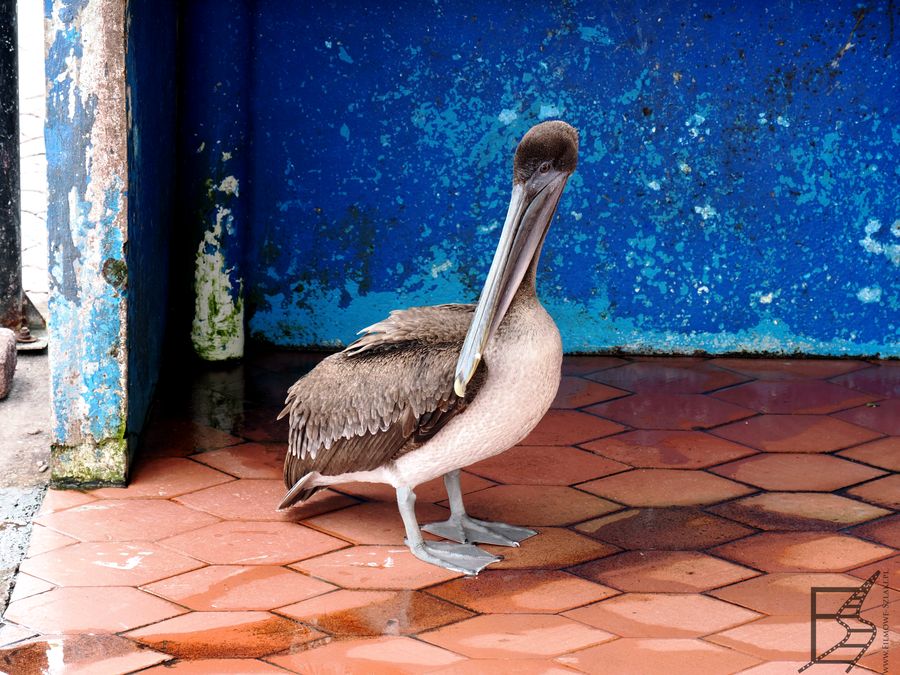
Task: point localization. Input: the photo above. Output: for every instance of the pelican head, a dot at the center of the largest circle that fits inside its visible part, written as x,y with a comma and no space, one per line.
545,158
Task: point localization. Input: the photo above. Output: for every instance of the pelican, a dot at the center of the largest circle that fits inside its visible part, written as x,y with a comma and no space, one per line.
430,390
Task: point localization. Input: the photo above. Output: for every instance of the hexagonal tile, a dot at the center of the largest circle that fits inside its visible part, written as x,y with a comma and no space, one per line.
794,397
781,593
44,539
10,634
236,587
671,656
534,506
373,613
247,460
795,433
802,552
883,381
253,543
889,568
662,615
62,610
789,369
27,585
670,378
883,453
512,666
584,365
665,487
108,564
576,392
670,411
883,417
772,638
785,667
224,634
668,449
570,427
375,567
552,548
675,528
550,465
885,531
252,499
798,511
793,471
375,656
884,491
374,522
60,500
431,492
663,572
217,666
79,655
165,477
515,635
167,437
126,520
521,592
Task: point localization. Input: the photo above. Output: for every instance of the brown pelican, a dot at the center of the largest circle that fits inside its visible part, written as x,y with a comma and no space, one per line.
432,389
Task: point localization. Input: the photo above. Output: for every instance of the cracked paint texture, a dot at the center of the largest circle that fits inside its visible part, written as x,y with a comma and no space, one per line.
737,186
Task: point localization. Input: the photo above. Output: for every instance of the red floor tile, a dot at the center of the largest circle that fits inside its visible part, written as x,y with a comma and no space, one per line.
515,635
78,655
790,369
165,477
504,667
887,567
882,381
671,378
247,460
781,593
372,613
570,427
178,438
533,506
667,449
883,453
796,433
663,572
665,487
792,471
795,397
253,543
10,634
670,411
883,492
798,511
234,587
552,548
59,500
584,365
216,666
44,539
521,592
27,585
885,531
802,552
432,491
772,638
535,465
374,522
577,392
883,417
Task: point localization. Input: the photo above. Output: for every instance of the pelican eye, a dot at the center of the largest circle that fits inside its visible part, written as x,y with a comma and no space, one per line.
545,167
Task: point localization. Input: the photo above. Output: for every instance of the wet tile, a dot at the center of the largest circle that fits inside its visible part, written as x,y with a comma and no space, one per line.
504,667
781,593
883,453
432,491
78,655
234,587
59,500
373,613
798,511
662,615
166,437
375,567
552,548
570,427
676,528
27,585
215,666
165,477
108,564
772,638
885,531
377,656
884,491
790,369
584,365
577,392
11,633
794,397
795,433
883,381
253,499
665,487
515,635
247,460
261,425
253,543
794,471
374,522
668,449
44,539
673,377
200,635
802,552
883,417
515,592
654,655
536,506
62,610
126,520
549,465
670,411
663,572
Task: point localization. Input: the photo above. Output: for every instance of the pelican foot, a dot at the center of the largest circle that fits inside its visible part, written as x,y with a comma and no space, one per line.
463,558
466,530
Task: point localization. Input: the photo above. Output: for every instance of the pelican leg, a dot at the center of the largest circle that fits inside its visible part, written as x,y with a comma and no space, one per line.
463,558
463,528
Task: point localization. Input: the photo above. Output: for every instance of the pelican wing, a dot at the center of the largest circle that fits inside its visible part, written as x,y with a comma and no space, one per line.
384,395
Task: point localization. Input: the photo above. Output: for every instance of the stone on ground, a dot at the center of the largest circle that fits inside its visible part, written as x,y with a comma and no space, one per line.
7,360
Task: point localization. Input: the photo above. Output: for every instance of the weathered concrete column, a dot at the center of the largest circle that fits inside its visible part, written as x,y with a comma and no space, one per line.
87,154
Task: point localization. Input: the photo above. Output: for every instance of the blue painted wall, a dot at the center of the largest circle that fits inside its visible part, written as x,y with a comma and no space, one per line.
737,189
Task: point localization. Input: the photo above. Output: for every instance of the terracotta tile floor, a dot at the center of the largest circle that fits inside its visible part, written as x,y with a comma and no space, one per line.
686,507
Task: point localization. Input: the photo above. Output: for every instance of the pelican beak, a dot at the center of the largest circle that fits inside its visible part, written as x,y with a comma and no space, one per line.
531,209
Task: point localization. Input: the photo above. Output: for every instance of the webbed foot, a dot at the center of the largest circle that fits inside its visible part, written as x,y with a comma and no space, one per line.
463,558
467,530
